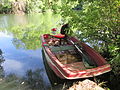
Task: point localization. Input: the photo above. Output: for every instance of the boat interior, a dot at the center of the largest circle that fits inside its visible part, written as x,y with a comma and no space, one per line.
69,56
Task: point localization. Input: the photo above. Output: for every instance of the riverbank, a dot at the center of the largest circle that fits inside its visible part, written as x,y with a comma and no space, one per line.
26,6
14,7
86,85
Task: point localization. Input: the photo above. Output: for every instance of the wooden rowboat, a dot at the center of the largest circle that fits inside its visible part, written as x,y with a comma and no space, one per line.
72,59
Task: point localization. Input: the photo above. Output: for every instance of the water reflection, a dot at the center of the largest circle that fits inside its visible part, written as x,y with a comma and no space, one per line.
13,66
26,29
23,68
19,58
2,74
32,81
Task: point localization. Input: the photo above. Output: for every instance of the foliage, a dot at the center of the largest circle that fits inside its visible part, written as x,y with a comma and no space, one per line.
35,6
97,21
98,24
5,7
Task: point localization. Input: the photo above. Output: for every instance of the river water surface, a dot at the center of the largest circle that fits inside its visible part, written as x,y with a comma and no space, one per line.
23,68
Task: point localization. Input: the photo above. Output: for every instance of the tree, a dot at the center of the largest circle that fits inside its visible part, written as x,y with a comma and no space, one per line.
98,23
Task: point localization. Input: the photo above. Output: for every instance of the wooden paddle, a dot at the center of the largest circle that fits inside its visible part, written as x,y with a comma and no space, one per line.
85,57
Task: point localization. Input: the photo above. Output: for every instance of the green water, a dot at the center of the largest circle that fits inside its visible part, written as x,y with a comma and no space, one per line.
23,68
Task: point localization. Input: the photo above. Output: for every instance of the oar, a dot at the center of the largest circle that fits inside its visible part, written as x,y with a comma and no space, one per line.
77,47
81,52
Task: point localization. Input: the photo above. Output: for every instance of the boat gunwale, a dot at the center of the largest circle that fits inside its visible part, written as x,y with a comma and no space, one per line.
71,75
61,67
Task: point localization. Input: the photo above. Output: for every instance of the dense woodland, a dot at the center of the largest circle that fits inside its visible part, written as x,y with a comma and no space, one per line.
93,21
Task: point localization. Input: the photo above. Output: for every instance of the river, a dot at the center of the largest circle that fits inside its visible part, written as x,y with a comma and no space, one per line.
23,68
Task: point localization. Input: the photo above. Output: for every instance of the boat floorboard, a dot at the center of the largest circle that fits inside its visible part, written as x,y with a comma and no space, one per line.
68,57
75,66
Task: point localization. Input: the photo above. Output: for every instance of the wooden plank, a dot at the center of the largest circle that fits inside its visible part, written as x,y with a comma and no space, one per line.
61,48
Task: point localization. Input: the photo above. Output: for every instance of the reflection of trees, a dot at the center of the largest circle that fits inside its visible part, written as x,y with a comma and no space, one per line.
26,29
1,67
32,81
28,36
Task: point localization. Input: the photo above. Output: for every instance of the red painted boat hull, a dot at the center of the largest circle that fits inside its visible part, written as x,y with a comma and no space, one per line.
64,71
